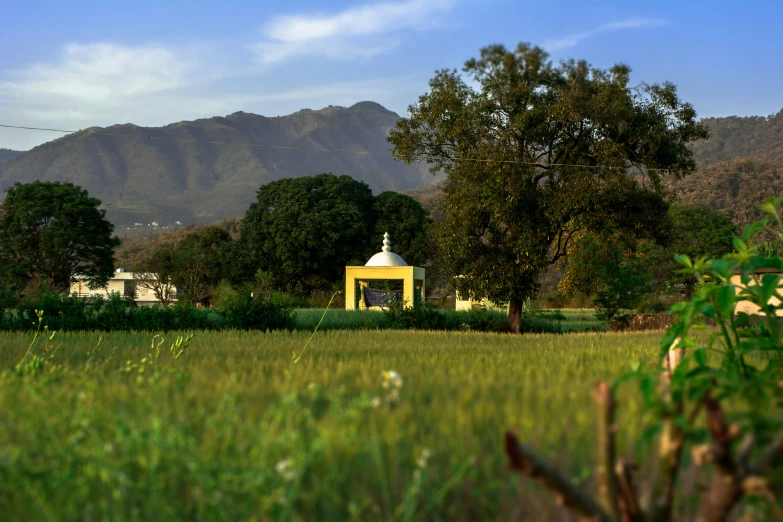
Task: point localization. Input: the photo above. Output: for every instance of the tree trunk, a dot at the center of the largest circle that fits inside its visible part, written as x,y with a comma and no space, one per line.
515,314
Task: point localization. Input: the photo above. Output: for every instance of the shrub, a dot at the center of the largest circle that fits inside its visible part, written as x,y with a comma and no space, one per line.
242,311
421,317
117,313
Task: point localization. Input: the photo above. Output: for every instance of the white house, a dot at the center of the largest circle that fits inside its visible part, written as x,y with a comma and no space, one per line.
123,283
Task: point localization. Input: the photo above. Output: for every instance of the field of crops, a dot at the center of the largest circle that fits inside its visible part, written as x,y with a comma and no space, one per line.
115,427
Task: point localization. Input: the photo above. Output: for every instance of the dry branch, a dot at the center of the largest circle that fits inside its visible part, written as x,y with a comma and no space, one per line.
526,460
607,481
670,444
630,509
725,490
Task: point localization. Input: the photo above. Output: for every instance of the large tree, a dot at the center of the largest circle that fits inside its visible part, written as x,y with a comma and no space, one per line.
696,231
197,262
303,231
536,152
406,222
153,273
52,232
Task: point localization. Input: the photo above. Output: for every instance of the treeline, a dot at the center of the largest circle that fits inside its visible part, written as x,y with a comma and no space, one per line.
295,240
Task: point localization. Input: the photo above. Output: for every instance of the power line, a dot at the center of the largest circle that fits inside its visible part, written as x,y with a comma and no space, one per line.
346,151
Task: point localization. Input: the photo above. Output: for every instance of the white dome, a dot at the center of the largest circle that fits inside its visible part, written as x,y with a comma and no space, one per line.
386,257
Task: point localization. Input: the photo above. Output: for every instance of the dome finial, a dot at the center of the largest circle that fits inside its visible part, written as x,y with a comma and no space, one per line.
386,242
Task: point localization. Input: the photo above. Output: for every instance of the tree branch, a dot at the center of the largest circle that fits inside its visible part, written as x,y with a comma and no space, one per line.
769,455
725,490
628,501
670,445
607,481
526,460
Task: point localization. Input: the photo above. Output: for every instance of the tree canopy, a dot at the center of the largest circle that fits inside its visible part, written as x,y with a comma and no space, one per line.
51,232
537,152
304,231
192,263
406,222
696,231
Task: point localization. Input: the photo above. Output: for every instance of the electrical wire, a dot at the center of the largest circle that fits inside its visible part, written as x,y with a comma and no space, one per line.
705,169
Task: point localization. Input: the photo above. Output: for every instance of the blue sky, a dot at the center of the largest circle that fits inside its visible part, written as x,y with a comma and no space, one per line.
79,64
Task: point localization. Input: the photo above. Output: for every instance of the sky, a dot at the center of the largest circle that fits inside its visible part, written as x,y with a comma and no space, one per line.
78,64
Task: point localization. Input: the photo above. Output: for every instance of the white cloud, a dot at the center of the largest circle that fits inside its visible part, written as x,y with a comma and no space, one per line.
101,72
567,42
101,84
105,84
351,33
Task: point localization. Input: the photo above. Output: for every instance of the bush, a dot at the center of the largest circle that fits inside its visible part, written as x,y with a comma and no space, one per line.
119,314
242,311
419,317
478,320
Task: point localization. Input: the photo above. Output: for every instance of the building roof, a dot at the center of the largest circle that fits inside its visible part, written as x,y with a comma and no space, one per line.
758,271
386,257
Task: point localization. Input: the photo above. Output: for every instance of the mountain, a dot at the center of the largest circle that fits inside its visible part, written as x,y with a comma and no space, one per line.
7,154
754,137
741,165
430,197
165,179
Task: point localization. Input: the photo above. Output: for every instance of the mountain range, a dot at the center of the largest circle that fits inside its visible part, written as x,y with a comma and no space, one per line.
172,173
144,174
7,154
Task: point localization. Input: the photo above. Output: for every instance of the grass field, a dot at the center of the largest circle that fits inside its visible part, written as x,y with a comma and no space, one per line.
541,321
100,428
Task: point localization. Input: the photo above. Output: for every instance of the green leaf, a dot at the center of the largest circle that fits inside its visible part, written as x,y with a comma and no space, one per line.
724,299
647,388
683,260
700,356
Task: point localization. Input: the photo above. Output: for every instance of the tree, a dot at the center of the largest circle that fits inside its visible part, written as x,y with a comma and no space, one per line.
52,232
197,262
537,153
154,274
697,231
406,222
304,231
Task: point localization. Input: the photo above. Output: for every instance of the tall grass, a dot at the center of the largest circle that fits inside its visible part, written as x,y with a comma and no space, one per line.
107,429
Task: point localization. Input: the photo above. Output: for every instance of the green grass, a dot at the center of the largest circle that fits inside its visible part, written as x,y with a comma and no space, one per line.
540,321
232,430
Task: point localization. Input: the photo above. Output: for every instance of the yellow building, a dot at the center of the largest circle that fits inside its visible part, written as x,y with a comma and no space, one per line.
123,283
471,304
383,266
746,306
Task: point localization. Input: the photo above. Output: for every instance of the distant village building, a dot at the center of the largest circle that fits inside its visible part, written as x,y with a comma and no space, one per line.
472,304
123,283
751,308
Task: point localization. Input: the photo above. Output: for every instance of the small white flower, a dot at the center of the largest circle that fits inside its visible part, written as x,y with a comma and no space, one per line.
285,470
424,457
392,379
375,402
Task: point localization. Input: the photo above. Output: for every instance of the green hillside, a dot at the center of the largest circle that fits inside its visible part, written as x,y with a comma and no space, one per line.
145,180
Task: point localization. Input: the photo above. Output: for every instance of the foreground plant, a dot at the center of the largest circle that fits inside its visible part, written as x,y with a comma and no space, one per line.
739,391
